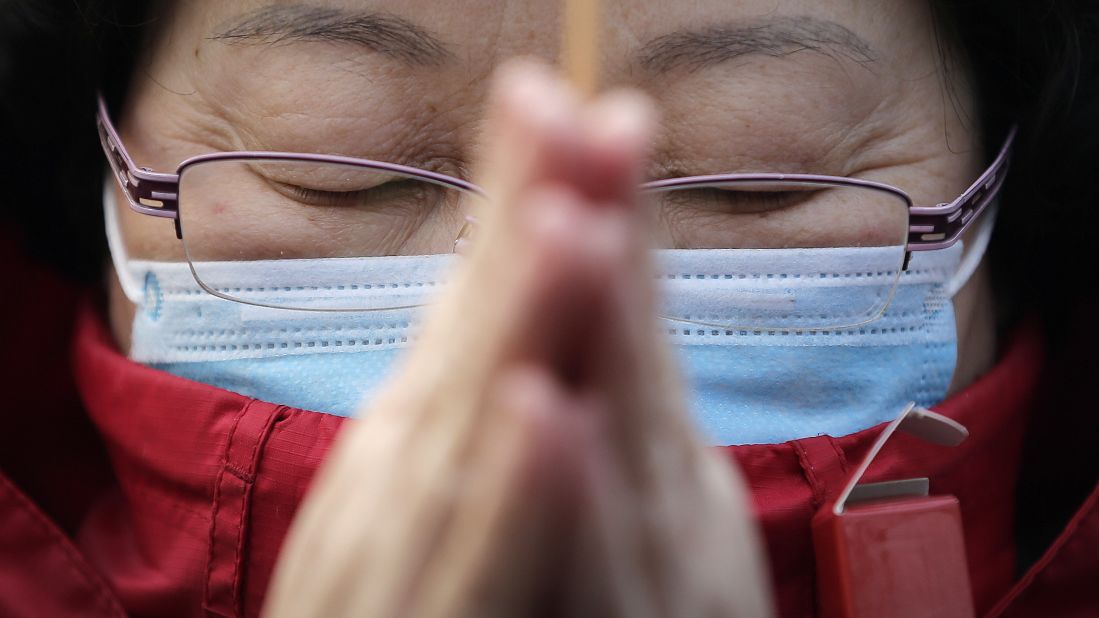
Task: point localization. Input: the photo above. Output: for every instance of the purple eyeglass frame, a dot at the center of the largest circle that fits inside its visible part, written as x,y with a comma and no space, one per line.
929,227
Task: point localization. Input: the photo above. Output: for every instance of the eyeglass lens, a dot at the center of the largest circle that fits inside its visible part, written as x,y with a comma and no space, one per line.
235,210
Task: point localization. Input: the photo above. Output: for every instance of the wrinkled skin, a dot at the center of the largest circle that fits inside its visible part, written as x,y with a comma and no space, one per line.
556,473
892,111
532,453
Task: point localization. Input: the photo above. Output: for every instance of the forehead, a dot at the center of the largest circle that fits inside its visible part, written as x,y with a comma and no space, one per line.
655,34
805,85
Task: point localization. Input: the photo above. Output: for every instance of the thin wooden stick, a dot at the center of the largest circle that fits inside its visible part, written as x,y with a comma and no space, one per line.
580,44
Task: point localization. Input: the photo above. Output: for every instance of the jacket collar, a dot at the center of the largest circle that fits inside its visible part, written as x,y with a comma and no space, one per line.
209,481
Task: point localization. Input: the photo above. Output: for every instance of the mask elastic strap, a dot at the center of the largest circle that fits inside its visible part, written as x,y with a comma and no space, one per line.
972,258
121,261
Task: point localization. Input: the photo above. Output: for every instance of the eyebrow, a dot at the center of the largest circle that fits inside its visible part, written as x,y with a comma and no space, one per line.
693,50
385,34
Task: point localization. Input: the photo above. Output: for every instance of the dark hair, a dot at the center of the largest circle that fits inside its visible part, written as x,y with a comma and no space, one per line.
1034,63
1037,64
54,55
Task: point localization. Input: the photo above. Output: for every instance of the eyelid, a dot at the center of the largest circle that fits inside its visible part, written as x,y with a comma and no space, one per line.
305,177
448,166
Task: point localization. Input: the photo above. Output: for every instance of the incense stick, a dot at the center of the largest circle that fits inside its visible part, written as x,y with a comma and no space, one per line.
581,44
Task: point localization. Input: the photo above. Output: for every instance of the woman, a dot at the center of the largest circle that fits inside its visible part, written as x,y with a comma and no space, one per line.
204,481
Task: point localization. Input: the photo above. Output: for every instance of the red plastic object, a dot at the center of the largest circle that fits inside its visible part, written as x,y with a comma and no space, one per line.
886,549
895,558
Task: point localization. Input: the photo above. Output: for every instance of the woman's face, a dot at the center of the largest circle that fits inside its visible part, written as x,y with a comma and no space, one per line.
837,87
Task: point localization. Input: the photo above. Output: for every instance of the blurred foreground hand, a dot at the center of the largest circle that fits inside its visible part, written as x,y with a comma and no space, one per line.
533,455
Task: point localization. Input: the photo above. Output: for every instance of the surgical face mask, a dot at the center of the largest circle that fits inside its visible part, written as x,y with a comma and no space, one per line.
745,385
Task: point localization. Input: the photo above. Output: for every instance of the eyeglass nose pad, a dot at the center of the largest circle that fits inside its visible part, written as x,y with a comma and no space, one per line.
465,235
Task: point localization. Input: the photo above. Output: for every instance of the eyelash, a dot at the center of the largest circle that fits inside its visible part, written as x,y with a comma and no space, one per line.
738,202
321,197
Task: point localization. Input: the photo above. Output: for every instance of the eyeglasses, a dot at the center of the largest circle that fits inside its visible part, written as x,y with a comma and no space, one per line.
301,210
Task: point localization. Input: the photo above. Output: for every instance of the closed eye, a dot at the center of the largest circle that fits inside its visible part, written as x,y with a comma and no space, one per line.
733,201
397,192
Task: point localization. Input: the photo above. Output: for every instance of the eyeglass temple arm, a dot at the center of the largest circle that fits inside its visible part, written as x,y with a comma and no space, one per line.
938,227
149,193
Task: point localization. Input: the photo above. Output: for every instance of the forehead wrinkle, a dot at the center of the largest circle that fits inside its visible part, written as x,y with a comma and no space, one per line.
693,50
385,34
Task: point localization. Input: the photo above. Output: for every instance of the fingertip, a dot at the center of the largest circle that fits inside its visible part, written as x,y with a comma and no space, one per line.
573,233
618,130
551,421
531,129
622,119
530,97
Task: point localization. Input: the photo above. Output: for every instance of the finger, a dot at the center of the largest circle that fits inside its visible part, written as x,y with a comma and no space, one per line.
530,134
557,305
538,133
554,252
617,133
480,539
631,360
519,273
540,308
505,547
560,276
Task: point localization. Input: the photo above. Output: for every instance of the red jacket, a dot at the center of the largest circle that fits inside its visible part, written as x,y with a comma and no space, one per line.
155,496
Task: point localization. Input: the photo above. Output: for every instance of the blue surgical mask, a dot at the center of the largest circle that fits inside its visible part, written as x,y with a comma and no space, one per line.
746,385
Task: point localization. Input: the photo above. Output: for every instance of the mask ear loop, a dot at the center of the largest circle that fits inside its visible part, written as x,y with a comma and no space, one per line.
972,258
121,261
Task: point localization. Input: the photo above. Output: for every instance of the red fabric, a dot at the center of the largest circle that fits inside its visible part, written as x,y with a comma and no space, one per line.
209,481
1063,583
206,483
32,548
46,441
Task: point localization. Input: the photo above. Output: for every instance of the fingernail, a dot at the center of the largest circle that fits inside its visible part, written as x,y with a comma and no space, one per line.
616,133
622,121
534,99
560,218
